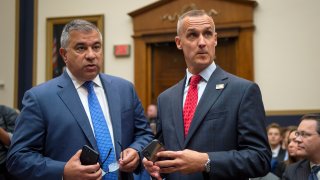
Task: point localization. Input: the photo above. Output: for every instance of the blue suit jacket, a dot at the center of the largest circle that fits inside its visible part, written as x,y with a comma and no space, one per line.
53,125
228,124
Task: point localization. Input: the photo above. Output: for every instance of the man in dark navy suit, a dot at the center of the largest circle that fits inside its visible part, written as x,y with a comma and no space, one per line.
308,139
226,138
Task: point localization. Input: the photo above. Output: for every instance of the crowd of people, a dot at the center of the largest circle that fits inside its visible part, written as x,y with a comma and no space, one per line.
211,124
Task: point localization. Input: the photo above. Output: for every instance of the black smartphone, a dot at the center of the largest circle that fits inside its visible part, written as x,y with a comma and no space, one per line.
151,150
88,156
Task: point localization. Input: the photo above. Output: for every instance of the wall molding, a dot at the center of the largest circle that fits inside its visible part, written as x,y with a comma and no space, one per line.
291,112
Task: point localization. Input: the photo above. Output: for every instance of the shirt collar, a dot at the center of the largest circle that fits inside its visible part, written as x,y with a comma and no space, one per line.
275,151
78,83
312,164
205,74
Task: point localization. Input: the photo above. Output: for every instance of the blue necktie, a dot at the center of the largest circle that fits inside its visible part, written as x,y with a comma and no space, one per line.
101,131
313,173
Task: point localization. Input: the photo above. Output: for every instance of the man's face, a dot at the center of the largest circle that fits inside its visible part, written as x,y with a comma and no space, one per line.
309,141
274,136
83,55
152,111
197,39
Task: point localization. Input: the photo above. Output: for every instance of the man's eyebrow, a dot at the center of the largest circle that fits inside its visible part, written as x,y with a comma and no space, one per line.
191,30
209,28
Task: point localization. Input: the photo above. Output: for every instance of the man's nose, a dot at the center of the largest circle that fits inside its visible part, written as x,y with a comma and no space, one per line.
202,42
90,53
298,139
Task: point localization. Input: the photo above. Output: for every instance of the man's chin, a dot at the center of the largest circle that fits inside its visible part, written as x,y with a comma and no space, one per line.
90,76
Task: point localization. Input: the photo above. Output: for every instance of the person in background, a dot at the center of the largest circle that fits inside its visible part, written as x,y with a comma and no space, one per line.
211,123
285,134
8,118
294,155
285,137
80,107
275,139
152,112
308,140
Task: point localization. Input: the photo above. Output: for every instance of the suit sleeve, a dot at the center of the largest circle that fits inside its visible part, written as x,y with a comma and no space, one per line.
142,131
252,156
25,157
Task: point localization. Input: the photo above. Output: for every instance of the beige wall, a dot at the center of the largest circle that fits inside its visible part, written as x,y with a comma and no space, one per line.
7,46
286,53
285,49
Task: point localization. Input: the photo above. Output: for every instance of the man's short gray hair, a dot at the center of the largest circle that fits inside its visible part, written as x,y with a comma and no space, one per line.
77,25
191,13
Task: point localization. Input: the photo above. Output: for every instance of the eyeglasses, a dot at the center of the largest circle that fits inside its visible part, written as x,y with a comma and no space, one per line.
303,134
114,166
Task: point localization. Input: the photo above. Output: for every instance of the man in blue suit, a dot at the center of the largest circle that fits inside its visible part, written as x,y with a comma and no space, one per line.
226,138
55,121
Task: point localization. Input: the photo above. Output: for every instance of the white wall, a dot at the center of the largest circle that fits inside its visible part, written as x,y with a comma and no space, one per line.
286,53
285,50
7,45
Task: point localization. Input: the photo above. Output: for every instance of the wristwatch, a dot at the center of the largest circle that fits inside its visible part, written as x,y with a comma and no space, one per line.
207,165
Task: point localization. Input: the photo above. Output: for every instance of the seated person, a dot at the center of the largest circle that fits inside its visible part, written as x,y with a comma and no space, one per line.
8,117
275,139
294,155
308,140
285,137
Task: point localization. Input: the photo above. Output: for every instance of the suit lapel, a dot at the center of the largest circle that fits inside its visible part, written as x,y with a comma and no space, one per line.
113,99
177,101
303,170
209,97
70,97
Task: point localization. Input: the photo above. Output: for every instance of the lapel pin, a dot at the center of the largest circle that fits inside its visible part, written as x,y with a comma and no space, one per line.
219,86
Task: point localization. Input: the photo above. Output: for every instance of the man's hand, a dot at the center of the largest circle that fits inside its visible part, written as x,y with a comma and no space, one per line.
74,170
186,161
4,137
153,170
129,160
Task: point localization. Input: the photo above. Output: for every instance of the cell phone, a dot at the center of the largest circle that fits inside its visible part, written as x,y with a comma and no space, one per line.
88,156
151,150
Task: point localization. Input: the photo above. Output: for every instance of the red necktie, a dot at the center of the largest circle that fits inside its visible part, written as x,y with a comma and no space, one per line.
190,103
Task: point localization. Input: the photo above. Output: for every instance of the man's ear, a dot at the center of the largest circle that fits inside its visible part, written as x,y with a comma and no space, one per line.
178,42
63,54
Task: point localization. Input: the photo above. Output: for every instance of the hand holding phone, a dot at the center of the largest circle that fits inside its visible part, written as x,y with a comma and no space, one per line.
152,149
88,156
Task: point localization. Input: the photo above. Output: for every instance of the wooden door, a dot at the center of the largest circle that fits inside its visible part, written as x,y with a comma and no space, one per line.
168,67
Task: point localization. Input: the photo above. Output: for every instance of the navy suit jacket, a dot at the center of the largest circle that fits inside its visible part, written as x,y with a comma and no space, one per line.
297,171
53,126
228,124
